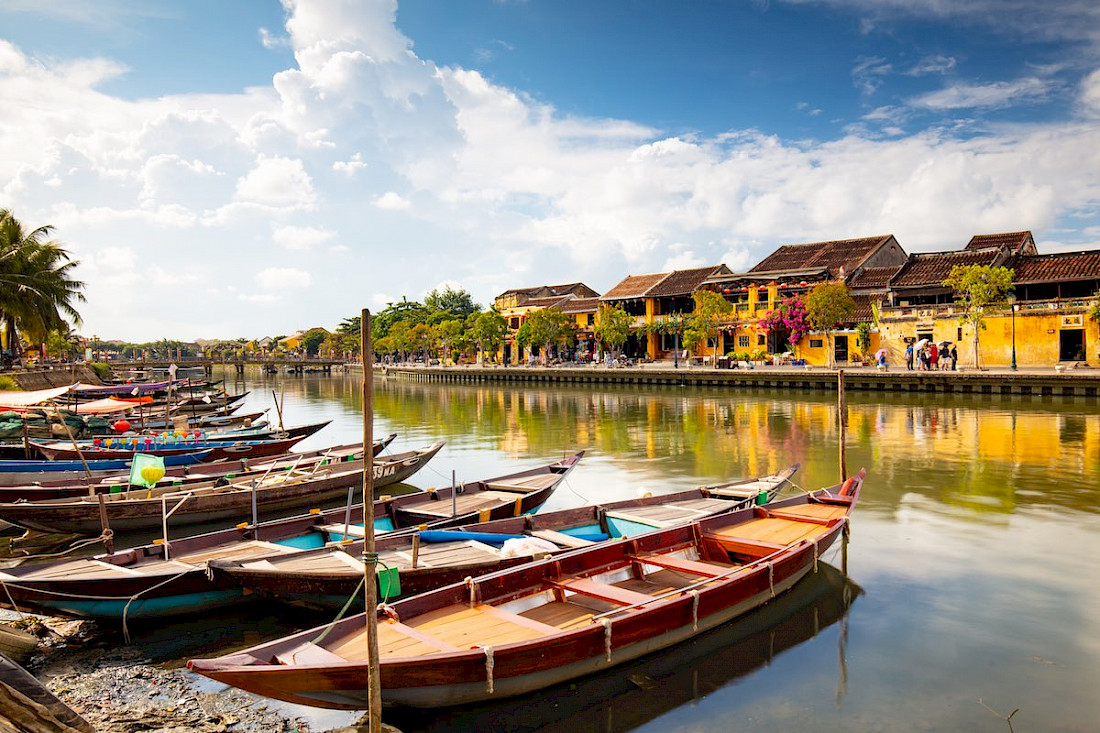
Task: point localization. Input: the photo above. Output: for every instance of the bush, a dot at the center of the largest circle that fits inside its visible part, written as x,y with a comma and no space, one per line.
7,384
760,355
101,369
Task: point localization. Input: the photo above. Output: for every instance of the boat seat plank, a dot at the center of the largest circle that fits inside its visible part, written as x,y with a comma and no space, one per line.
743,546
353,530
695,567
774,531
391,643
823,511
465,504
560,538
602,591
309,654
705,506
235,551
533,483
464,627
519,620
823,521
562,615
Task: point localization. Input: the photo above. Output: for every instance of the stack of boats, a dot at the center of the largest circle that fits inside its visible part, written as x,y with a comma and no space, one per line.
482,597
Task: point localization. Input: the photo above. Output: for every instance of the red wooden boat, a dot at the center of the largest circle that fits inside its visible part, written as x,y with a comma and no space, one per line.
546,622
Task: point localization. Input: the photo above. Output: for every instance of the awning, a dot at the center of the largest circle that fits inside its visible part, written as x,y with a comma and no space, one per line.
22,400
106,406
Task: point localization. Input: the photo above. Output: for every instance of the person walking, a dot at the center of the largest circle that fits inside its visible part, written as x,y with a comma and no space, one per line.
954,357
909,357
933,356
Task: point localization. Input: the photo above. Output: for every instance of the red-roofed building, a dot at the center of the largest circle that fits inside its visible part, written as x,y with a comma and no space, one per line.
515,304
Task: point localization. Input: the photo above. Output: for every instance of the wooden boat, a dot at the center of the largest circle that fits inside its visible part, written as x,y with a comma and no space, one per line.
26,706
170,578
132,510
20,471
630,695
217,450
549,621
326,577
113,476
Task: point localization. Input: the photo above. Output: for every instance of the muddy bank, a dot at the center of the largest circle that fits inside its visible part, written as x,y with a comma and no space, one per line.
144,685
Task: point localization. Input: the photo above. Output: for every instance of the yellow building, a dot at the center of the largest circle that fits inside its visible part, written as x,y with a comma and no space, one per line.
654,300
514,305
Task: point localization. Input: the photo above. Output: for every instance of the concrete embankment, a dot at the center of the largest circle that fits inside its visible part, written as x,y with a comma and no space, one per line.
1070,383
61,375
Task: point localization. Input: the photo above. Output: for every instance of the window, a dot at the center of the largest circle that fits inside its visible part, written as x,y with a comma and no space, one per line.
761,339
817,343
515,323
591,319
742,342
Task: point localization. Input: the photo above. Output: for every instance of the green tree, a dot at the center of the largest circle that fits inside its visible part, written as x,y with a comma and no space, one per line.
447,333
37,291
405,310
863,337
978,289
612,327
454,302
313,339
710,311
487,330
548,327
828,305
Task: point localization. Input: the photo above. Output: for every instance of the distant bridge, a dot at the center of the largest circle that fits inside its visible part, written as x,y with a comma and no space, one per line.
296,365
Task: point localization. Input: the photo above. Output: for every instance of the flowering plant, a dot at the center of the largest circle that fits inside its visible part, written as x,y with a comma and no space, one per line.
790,316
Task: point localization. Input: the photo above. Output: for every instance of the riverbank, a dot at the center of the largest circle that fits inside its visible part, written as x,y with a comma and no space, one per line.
1034,381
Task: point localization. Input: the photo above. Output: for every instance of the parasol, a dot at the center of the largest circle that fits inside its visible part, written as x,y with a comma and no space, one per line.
880,354
920,344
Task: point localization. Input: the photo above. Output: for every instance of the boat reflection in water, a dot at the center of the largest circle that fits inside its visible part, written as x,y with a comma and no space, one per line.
633,694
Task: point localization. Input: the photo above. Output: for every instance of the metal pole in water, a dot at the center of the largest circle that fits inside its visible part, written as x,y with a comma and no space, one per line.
370,559
842,419
454,495
255,517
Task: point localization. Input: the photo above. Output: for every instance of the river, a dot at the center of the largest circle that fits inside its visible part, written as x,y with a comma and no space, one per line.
973,563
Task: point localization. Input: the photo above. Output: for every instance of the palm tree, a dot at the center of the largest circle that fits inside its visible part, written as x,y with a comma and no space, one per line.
37,291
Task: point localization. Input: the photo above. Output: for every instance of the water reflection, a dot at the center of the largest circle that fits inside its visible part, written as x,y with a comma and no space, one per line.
984,454
633,694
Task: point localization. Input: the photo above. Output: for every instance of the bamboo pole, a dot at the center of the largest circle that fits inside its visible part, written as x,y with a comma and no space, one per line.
842,419
370,559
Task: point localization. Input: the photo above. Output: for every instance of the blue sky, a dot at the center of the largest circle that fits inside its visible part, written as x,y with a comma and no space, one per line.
247,168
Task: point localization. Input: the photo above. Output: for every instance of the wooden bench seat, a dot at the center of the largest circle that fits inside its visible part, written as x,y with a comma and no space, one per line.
602,591
560,538
695,567
532,483
743,546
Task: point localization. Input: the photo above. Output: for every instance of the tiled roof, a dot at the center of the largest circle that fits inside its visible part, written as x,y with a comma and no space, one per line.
873,277
1061,266
580,305
932,268
546,302
634,286
578,289
1012,240
862,313
684,282
848,253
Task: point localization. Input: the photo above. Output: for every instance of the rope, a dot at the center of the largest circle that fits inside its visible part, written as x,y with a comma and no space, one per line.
575,492
606,638
771,579
694,610
488,667
104,537
815,555
126,608
12,600
340,615
469,581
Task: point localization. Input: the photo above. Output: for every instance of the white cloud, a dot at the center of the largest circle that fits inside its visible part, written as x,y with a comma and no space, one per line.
868,73
277,182
1090,92
298,238
350,166
391,201
992,95
283,278
938,64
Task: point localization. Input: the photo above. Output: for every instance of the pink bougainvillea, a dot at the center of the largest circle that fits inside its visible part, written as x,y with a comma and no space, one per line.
790,316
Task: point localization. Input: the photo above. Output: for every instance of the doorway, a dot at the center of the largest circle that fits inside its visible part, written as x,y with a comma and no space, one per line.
840,348
1071,345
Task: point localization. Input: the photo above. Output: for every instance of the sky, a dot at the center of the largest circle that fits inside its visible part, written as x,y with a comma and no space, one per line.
251,168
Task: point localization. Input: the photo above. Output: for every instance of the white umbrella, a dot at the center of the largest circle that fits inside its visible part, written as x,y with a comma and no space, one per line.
921,343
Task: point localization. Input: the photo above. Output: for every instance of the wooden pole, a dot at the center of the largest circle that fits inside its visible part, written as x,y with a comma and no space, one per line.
370,592
842,419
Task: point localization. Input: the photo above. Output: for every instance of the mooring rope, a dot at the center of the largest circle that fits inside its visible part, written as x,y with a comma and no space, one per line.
606,637
126,608
489,663
694,610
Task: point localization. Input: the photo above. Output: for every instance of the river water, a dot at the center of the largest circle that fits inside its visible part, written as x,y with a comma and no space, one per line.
973,583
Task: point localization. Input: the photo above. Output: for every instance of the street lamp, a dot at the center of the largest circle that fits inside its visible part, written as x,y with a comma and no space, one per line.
1012,305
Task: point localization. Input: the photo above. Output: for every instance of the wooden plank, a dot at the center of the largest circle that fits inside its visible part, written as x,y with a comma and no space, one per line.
681,564
534,483
824,511
743,546
560,614
420,636
561,538
602,591
309,654
464,627
515,618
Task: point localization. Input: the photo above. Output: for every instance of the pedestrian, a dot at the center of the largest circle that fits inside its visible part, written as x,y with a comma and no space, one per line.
954,357
909,357
925,359
933,356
